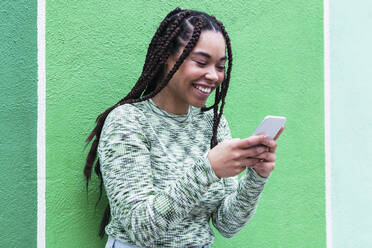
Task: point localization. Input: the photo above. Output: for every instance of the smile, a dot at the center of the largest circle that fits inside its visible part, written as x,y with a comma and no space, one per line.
205,90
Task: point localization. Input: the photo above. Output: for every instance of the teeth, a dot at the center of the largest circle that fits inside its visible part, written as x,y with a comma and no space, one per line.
203,89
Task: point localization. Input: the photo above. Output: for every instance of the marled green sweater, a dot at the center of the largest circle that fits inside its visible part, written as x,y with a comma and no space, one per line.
160,185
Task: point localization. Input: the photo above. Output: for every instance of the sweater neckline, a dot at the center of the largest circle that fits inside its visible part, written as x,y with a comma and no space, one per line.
179,118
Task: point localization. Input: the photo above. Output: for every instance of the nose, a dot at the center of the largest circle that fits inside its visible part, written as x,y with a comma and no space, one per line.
211,74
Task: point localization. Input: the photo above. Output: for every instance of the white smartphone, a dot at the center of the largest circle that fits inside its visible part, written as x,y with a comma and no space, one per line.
270,126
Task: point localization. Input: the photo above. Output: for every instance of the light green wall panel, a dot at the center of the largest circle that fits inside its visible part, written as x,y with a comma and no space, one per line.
95,52
351,122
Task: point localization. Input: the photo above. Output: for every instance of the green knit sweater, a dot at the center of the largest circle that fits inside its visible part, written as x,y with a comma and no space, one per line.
160,185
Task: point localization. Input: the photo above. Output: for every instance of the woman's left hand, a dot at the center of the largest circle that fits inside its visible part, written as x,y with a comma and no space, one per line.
268,158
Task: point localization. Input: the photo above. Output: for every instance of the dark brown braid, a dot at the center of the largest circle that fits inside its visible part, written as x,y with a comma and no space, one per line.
160,54
155,38
224,86
174,32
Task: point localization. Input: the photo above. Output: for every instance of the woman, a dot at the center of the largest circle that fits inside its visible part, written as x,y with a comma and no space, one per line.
167,162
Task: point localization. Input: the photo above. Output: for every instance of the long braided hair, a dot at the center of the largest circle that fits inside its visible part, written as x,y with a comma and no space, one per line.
180,28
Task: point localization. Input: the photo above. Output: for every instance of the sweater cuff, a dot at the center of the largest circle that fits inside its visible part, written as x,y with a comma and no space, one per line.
254,175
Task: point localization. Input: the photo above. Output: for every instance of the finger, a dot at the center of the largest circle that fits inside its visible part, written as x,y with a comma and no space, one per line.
249,162
254,151
280,131
251,141
267,156
264,168
273,148
270,143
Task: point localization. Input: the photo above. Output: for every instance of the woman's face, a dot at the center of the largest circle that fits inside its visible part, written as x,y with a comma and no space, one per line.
201,72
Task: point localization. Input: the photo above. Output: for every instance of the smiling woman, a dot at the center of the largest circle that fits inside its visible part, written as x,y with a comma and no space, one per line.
167,162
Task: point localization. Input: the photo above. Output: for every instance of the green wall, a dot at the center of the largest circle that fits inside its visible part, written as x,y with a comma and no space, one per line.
18,115
94,53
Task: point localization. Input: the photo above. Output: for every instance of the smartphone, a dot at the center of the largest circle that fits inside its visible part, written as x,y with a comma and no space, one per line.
270,126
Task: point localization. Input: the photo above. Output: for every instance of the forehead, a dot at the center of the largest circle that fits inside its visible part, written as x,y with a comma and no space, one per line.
211,42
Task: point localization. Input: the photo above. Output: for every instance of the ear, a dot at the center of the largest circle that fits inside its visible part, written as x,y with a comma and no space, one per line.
168,65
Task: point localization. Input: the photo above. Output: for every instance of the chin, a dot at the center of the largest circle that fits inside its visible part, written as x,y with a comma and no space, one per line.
198,104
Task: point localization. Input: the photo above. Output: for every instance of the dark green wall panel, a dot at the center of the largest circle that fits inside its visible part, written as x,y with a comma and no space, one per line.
18,115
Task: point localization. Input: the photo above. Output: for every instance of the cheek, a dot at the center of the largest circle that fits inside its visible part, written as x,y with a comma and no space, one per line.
221,77
194,73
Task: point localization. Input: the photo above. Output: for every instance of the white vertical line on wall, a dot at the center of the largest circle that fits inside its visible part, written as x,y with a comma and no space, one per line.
327,123
41,124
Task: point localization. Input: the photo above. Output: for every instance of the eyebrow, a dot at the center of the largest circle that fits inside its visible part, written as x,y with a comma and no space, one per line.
207,55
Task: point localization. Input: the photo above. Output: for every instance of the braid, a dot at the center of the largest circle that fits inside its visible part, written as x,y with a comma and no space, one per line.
190,45
155,38
226,82
169,35
215,110
224,87
157,59
173,32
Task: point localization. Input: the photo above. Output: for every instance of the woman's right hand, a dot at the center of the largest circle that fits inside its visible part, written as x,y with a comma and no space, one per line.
231,157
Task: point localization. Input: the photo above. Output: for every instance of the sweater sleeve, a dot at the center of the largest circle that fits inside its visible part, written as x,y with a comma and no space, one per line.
144,212
241,197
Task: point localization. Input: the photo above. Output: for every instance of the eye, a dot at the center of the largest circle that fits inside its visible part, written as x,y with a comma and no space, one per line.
201,63
221,67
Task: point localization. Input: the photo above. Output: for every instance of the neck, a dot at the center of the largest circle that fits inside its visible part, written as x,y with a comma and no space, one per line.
168,103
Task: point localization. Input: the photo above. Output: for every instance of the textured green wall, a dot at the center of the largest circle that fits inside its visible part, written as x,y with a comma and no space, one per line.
18,115
95,53
351,123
